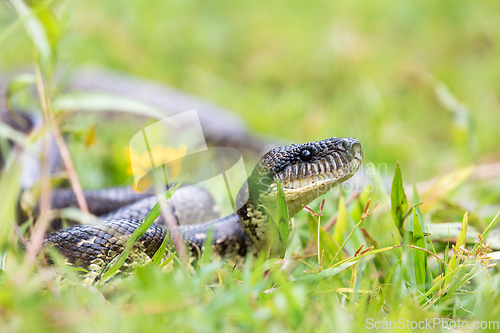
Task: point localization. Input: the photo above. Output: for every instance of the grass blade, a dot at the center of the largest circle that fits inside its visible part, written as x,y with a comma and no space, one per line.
453,264
420,258
341,225
158,256
282,221
399,203
35,30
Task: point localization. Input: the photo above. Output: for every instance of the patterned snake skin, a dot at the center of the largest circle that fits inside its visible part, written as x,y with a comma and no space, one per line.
305,170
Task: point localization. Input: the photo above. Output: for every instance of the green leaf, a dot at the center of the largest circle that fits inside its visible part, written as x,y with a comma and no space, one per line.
101,102
453,264
35,30
420,259
158,256
399,203
341,224
7,132
168,260
49,22
326,240
463,232
326,273
282,220
20,82
11,190
235,272
156,210
345,242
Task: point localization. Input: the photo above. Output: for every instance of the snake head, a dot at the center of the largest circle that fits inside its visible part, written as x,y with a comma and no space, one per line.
306,171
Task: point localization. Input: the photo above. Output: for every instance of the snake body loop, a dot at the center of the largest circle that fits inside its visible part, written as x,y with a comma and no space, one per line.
305,170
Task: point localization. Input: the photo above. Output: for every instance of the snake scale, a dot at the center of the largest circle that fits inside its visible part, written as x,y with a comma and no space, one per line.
306,171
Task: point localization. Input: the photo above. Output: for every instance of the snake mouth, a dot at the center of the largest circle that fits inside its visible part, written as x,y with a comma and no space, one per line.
330,177
330,170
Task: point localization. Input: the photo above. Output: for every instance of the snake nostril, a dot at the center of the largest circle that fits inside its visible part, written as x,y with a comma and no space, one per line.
357,150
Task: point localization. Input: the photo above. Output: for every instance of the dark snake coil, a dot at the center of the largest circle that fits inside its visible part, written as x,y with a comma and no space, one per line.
306,171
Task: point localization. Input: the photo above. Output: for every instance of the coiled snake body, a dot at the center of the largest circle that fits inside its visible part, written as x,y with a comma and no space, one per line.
305,170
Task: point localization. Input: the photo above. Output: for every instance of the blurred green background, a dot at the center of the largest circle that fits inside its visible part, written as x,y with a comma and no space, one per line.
415,81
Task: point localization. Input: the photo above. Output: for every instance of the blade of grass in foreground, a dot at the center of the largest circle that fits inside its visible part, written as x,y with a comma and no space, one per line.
158,256
35,29
282,220
420,259
119,260
11,189
453,264
366,211
399,203
341,225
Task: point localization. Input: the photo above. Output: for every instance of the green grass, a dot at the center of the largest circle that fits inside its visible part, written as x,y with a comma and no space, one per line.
415,81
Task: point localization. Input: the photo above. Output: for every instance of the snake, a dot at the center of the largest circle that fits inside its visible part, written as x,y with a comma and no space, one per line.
306,171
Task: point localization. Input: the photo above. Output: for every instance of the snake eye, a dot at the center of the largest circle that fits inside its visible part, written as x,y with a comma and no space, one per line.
306,155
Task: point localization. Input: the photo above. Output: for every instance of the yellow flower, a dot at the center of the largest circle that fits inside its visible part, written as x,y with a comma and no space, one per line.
159,155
